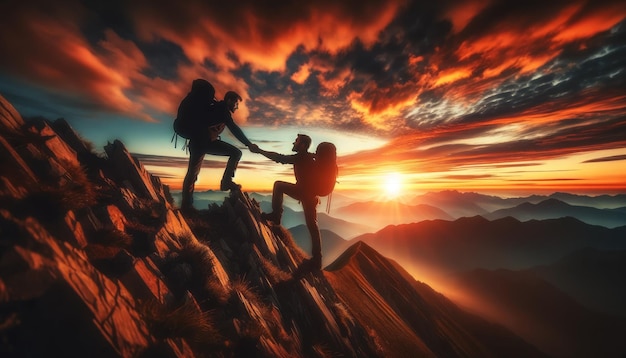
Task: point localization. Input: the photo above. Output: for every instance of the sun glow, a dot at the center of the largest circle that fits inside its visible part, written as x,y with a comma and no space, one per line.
392,185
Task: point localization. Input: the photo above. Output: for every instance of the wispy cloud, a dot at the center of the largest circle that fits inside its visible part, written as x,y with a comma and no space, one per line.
452,84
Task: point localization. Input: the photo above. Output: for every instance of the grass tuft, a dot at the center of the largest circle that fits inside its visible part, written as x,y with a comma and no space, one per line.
185,321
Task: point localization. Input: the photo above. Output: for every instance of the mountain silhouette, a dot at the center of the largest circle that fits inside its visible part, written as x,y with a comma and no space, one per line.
553,209
411,319
459,204
469,243
379,214
542,314
599,201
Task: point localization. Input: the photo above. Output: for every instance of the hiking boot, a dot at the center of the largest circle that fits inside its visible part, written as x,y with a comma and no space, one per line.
227,185
273,217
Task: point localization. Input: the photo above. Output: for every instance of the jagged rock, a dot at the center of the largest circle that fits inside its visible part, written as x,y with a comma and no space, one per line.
21,176
77,237
70,137
146,282
10,119
136,177
74,309
53,146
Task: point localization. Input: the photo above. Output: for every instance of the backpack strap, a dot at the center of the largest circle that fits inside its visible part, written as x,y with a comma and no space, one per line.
175,141
328,200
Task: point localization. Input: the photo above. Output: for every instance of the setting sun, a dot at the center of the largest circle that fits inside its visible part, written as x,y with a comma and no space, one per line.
392,185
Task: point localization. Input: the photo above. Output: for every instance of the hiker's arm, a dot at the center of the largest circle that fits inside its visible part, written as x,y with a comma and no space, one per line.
277,157
237,132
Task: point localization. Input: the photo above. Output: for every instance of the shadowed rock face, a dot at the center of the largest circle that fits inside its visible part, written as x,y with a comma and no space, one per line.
95,260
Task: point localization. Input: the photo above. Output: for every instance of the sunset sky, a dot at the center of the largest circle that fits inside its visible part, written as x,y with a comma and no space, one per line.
479,95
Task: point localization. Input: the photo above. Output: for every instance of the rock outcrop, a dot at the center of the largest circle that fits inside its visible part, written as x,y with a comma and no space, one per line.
95,260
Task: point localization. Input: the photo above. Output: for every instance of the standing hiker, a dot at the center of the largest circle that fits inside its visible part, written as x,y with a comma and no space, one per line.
207,119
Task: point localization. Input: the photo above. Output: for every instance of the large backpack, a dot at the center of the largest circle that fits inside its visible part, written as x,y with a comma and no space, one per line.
326,169
195,109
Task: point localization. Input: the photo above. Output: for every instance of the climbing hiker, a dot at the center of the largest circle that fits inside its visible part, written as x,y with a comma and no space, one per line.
206,119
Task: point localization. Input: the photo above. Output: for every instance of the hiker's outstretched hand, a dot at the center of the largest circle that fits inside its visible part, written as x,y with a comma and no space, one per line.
254,148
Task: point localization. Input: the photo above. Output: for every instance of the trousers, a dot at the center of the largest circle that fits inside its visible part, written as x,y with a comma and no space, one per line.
197,151
309,204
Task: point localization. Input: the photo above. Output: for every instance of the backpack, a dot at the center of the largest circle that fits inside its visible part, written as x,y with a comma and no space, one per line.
194,112
326,169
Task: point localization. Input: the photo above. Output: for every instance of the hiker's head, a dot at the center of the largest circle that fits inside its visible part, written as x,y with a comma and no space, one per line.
232,100
302,143
202,87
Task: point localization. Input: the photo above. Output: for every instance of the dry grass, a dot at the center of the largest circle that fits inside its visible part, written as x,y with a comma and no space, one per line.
275,273
112,237
344,315
51,201
288,241
201,259
80,192
185,321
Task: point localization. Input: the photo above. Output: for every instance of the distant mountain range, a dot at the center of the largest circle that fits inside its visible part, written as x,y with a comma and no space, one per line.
381,213
469,243
553,209
350,217
469,204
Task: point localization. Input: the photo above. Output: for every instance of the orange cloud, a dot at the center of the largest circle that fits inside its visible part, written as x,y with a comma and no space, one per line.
260,36
302,74
58,55
461,14
587,24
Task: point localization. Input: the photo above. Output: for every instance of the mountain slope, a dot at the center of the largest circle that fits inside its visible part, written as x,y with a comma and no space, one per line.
593,277
411,319
542,314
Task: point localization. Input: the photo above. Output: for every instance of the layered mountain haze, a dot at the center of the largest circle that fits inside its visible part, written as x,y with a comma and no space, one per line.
468,243
96,260
554,209
382,213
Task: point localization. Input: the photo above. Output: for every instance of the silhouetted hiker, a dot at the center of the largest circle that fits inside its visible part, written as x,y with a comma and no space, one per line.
200,106
303,164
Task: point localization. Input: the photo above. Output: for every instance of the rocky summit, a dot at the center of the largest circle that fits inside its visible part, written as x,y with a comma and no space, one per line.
97,261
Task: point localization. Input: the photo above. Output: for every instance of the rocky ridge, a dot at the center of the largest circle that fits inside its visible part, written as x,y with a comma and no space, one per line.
95,260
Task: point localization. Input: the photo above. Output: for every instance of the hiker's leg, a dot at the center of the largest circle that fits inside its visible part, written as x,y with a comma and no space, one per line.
233,153
281,188
195,164
310,215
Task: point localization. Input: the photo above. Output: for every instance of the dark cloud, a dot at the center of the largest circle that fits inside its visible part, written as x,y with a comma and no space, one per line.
606,159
